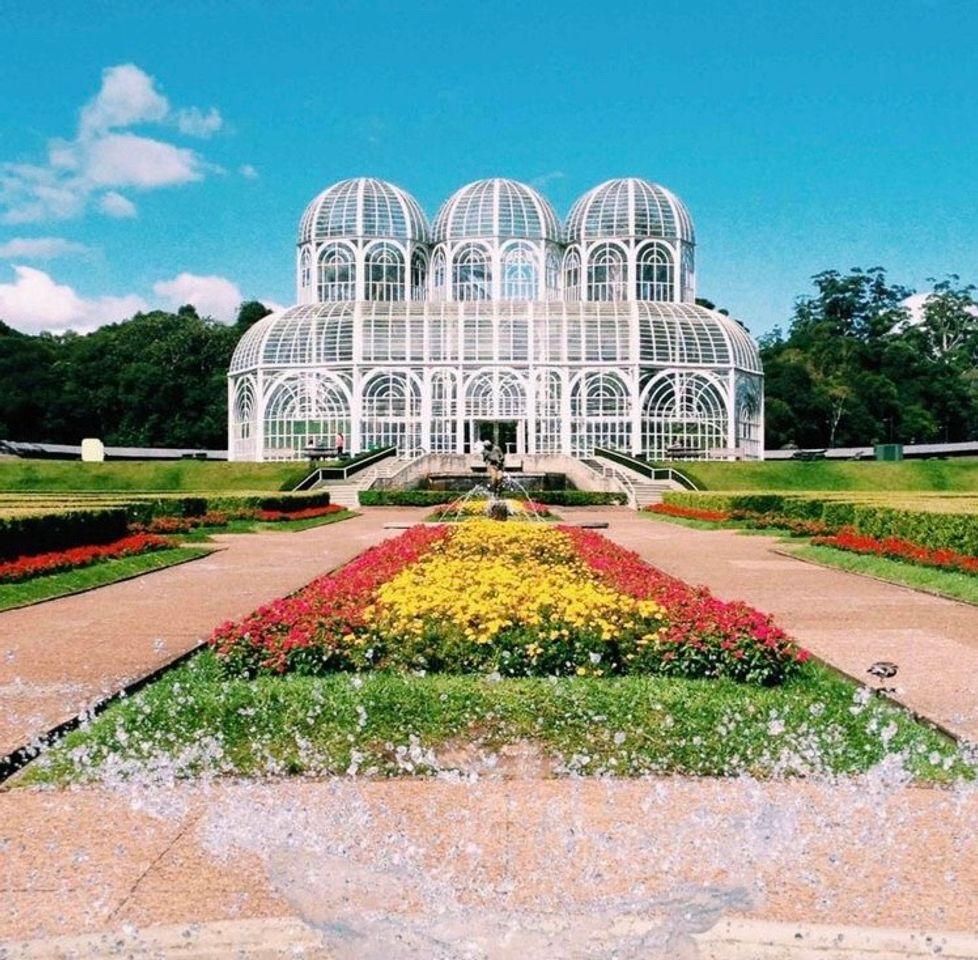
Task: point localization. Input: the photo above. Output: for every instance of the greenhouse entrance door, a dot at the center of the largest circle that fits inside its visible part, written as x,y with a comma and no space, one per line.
508,435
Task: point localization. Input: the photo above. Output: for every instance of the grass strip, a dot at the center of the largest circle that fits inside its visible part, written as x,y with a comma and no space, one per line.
39,589
690,522
193,722
943,583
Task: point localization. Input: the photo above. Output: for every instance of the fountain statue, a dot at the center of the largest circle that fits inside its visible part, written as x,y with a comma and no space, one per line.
495,461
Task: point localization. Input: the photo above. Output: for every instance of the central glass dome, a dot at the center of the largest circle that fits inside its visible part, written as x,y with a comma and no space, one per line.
496,208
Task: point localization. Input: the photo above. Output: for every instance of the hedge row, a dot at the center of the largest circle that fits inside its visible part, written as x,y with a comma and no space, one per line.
431,498
51,532
64,528
951,531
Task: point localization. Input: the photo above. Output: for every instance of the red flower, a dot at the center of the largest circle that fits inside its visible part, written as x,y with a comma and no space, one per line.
25,567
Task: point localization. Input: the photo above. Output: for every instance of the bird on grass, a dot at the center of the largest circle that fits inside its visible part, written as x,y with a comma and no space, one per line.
883,670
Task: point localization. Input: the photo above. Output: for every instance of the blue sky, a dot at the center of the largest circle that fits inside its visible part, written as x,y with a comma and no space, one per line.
151,155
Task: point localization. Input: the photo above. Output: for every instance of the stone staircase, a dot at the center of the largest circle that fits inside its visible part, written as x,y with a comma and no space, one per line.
641,491
346,493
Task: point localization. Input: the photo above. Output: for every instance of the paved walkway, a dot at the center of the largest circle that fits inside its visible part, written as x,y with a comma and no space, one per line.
858,852
848,620
60,657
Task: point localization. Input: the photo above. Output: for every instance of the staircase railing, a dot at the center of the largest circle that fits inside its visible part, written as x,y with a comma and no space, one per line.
345,472
645,468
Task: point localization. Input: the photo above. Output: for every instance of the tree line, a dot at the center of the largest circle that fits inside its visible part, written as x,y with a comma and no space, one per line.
853,368
155,380
856,367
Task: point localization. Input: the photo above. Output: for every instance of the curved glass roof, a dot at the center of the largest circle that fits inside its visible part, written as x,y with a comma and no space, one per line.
307,335
629,207
496,208
684,333
669,334
363,207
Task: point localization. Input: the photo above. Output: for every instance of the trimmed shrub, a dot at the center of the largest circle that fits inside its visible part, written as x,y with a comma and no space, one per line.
579,498
407,498
816,516
430,498
51,532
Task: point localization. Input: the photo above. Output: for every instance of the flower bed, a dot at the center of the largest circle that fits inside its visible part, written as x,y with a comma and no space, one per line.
220,518
310,513
477,507
23,568
688,513
894,548
755,519
513,599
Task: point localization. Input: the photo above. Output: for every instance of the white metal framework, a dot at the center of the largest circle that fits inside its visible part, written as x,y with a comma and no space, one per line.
572,338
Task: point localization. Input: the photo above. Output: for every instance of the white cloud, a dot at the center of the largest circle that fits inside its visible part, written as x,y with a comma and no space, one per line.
125,160
916,305
213,296
114,204
541,181
35,302
195,123
41,248
248,171
128,96
100,156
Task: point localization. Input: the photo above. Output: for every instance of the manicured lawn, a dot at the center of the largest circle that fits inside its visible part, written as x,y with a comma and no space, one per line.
97,575
193,721
937,475
948,583
172,476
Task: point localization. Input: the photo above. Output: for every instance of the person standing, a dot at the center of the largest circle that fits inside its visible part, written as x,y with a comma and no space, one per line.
340,443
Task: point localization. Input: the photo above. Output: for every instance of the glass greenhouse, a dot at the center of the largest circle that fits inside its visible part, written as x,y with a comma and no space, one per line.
497,321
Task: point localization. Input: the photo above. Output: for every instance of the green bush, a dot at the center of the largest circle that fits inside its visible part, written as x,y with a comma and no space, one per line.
146,510
46,533
952,531
285,502
407,498
430,498
577,498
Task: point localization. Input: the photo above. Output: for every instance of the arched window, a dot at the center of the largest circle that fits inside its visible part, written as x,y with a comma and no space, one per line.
438,275
419,276
443,412
497,395
655,274
548,411
688,287
384,265
572,275
244,409
391,412
519,272
472,273
303,408
337,273
606,273
305,270
552,276
683,412
600,413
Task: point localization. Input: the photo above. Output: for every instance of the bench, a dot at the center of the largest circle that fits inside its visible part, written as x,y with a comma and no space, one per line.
808,455
683,453
321,453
